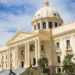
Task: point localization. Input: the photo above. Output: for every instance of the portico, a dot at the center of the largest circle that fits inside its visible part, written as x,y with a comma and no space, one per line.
26,52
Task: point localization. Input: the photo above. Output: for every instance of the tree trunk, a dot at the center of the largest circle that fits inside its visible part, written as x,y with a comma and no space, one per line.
31,73
41,70
68,73
66,70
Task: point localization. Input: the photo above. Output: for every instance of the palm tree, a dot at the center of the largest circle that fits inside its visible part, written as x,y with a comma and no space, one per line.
67,67
68,64
30,69
69,57
42,62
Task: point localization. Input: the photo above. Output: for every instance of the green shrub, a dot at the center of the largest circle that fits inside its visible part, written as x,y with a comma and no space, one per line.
60,74
41,74
46,73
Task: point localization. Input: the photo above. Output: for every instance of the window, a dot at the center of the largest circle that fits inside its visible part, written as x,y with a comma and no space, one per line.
34,27
11,55
6,56
59,24
42,48
32,47
55,24
68,42
22,52
44,25
59,70
50,24
58,46
54,14
59,61
38,25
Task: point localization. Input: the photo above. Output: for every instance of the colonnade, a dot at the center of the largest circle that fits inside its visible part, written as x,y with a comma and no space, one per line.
26,53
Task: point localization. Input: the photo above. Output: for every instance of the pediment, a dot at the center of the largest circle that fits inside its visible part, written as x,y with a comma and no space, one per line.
19,36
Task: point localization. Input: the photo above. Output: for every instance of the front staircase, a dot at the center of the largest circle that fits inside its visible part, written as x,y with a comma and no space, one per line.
16,70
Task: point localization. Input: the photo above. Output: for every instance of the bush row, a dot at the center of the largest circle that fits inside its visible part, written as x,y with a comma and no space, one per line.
55,74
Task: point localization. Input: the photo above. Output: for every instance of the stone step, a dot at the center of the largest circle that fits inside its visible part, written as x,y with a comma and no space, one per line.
16,70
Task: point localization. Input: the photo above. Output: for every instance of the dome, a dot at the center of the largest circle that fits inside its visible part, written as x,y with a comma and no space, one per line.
46,11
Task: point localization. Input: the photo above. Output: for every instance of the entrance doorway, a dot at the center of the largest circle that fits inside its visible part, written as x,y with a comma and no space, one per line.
47,70
22,63
34,61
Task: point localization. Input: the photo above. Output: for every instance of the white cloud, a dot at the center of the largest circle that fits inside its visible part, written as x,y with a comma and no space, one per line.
22,21
13,22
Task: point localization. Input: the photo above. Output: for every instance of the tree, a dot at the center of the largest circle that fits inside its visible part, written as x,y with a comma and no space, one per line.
30,69
68,65
42,62
69,57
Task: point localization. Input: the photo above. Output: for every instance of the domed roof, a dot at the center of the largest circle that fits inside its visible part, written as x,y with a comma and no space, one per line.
46,11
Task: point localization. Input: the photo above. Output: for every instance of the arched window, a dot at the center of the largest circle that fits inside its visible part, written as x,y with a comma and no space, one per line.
44,25
54,14
38,25
50,25
22,52
55,24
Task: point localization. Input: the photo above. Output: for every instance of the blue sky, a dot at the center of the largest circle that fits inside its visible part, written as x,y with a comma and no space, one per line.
17,15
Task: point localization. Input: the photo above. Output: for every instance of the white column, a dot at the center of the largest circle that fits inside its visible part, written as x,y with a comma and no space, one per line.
28,53
36,51
47,24
16,57
41,25
36,25
53,23
62,49
39,49
26,57
9,58
57,23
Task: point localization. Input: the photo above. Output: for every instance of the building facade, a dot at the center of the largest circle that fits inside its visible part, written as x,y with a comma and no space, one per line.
49,37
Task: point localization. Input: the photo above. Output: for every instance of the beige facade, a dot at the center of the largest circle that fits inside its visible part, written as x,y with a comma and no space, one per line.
49,37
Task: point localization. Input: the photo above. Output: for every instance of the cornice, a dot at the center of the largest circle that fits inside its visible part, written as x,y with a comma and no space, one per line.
60,34
67,37
56,40
46,19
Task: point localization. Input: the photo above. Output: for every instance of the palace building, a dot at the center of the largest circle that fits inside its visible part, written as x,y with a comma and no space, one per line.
49,37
